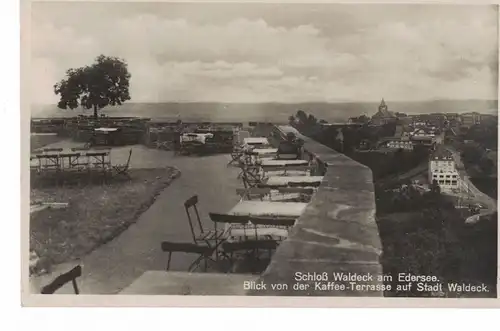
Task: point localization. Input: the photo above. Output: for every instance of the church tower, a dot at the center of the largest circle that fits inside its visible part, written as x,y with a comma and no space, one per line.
383,107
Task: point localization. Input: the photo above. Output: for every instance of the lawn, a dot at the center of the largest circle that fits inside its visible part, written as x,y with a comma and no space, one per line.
40,141
95,215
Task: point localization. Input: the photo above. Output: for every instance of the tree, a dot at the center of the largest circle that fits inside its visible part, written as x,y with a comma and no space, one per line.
104,83
363,119
388,129
472,153
435,189
301,116
487,165
311,120
399,161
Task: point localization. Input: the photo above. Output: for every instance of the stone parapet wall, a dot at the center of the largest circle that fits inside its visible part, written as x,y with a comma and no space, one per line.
336,234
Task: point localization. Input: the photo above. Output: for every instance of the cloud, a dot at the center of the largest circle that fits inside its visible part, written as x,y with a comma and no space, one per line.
239,40
243,59
42,72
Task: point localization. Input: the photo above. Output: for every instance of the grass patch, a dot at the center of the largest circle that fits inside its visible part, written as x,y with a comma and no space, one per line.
37,142
95,215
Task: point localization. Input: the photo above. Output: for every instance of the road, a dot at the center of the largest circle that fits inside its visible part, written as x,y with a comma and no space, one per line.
473,190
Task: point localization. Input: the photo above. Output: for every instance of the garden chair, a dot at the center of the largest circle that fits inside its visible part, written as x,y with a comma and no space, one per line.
242,134
244,251
253,193
236,155
209,237
123,168
204,253
34,166
250,175
63,279
240,241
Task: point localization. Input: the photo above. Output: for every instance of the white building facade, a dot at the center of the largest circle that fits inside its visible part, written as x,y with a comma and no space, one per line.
442,168
403,144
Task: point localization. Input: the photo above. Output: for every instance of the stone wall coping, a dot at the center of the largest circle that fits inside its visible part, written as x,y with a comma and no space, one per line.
337,235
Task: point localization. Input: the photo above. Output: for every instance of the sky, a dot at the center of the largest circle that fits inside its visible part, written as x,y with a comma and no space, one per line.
272,52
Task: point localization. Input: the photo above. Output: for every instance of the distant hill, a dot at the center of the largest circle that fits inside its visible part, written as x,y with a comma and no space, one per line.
211,111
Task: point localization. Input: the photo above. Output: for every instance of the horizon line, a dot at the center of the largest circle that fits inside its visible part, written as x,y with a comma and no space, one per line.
288,103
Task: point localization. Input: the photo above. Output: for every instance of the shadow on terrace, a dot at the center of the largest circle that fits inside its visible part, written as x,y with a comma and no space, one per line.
235,247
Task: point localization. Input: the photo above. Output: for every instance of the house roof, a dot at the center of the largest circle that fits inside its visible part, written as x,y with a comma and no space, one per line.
386,139
441,154
383,111
422,138
383,114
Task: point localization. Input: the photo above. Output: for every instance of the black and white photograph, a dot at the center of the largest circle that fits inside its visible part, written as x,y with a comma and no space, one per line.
261,149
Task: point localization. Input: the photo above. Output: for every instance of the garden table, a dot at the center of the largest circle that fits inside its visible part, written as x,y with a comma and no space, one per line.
268,209
252,141
284,163
281,181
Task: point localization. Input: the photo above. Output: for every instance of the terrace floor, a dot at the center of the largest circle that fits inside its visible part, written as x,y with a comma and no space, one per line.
115,265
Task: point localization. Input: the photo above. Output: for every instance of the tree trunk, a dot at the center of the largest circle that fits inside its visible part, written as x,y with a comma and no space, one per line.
95,112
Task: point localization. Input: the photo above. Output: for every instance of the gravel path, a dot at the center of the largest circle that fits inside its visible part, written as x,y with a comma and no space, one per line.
116,264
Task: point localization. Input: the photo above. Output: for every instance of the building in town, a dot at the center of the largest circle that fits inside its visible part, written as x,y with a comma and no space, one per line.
427,142
405,120
470,119
442,168
400,140
383,116
488,118
425,132
437,119
417,123
401,143
429,120
453,116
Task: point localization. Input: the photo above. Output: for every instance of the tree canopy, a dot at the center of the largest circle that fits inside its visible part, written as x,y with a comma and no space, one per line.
104,83
363,119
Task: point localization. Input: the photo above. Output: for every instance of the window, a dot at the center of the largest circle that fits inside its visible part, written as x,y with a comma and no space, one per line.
453,182
441,182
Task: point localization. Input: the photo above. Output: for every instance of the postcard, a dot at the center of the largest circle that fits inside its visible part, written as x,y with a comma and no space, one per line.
250,153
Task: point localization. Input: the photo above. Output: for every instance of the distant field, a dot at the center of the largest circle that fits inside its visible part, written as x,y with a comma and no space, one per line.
39,141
